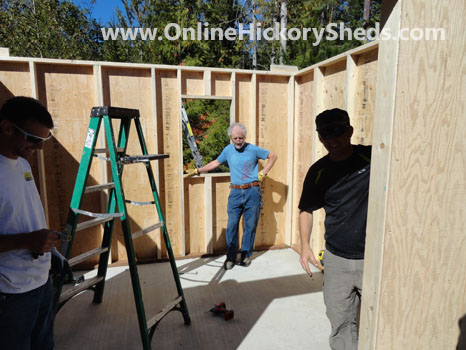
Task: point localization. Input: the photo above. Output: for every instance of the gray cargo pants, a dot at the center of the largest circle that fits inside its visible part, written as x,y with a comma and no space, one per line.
342,297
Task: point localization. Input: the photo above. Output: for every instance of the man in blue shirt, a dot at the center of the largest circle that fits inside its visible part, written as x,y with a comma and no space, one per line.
245,195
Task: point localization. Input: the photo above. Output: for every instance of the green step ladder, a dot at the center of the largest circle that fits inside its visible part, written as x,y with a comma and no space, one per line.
118,158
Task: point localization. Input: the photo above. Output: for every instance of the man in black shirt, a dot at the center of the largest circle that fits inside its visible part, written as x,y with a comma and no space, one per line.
339,183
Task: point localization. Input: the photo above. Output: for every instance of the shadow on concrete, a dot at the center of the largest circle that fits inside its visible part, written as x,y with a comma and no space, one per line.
113,324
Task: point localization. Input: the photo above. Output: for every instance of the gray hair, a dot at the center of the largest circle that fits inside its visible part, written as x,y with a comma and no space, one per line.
230,128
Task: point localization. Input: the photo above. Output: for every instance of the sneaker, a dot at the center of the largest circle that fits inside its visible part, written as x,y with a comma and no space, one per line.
228,265
245,260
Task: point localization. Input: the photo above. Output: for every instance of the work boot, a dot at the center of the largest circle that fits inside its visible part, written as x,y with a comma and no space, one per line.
245,260
228,265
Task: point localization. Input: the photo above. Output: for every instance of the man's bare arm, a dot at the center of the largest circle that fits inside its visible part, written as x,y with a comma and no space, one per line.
305,228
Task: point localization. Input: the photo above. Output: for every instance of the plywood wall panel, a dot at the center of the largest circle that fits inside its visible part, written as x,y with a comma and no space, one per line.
132,88
194,204
220,192
334,85
364,106
220,84
68,93
192,83
303,144
415,253
272,112
169,138
426,208
244,90
14,80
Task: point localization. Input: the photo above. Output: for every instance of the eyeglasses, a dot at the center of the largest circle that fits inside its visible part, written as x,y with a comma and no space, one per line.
334,132
30,137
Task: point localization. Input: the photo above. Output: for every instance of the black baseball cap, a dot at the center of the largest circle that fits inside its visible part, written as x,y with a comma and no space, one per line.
332,122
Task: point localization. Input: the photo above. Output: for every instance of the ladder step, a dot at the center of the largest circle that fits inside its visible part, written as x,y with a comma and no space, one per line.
105,150
142,159
101,187
139,203
91,223
114,112
139,233
97,215
71,292
83,257
154,320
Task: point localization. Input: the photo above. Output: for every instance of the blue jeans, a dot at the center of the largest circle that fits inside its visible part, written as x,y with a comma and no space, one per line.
246,202
26,320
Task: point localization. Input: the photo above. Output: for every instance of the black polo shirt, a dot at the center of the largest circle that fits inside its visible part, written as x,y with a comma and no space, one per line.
342,189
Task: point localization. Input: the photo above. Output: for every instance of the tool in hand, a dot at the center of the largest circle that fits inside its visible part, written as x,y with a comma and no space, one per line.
64,236
220,309
320,258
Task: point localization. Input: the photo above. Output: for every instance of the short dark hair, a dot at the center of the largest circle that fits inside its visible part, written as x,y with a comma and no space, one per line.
20,109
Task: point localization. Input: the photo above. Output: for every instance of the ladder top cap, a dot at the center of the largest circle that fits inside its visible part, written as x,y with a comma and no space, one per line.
114,112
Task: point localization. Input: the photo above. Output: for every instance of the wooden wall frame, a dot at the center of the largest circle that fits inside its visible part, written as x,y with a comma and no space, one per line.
406,98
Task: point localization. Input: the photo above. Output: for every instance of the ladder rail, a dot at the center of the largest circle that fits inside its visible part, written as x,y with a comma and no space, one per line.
81,179
126,224
117,172
166,237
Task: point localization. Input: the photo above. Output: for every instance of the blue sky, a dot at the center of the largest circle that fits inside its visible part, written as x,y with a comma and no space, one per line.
102,9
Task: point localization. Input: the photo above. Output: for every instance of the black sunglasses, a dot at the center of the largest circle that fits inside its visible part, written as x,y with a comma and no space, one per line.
30,137
334,132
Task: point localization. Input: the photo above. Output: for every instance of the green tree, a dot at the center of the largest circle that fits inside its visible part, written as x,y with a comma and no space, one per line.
209,121
158,14
49,28
313,14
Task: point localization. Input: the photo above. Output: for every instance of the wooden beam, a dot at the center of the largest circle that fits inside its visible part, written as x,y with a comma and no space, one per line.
379,181
182,184
253,132
208,214
351,82
234,98
207,83
290,160
158,237
205,97
40,152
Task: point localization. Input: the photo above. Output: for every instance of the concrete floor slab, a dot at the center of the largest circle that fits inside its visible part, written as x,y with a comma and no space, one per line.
276,306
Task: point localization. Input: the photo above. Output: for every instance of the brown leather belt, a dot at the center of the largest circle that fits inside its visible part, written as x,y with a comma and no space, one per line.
242,187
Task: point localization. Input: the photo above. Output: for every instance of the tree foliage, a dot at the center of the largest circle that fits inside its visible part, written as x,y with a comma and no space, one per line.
209,121
49,28
158,14
60,29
